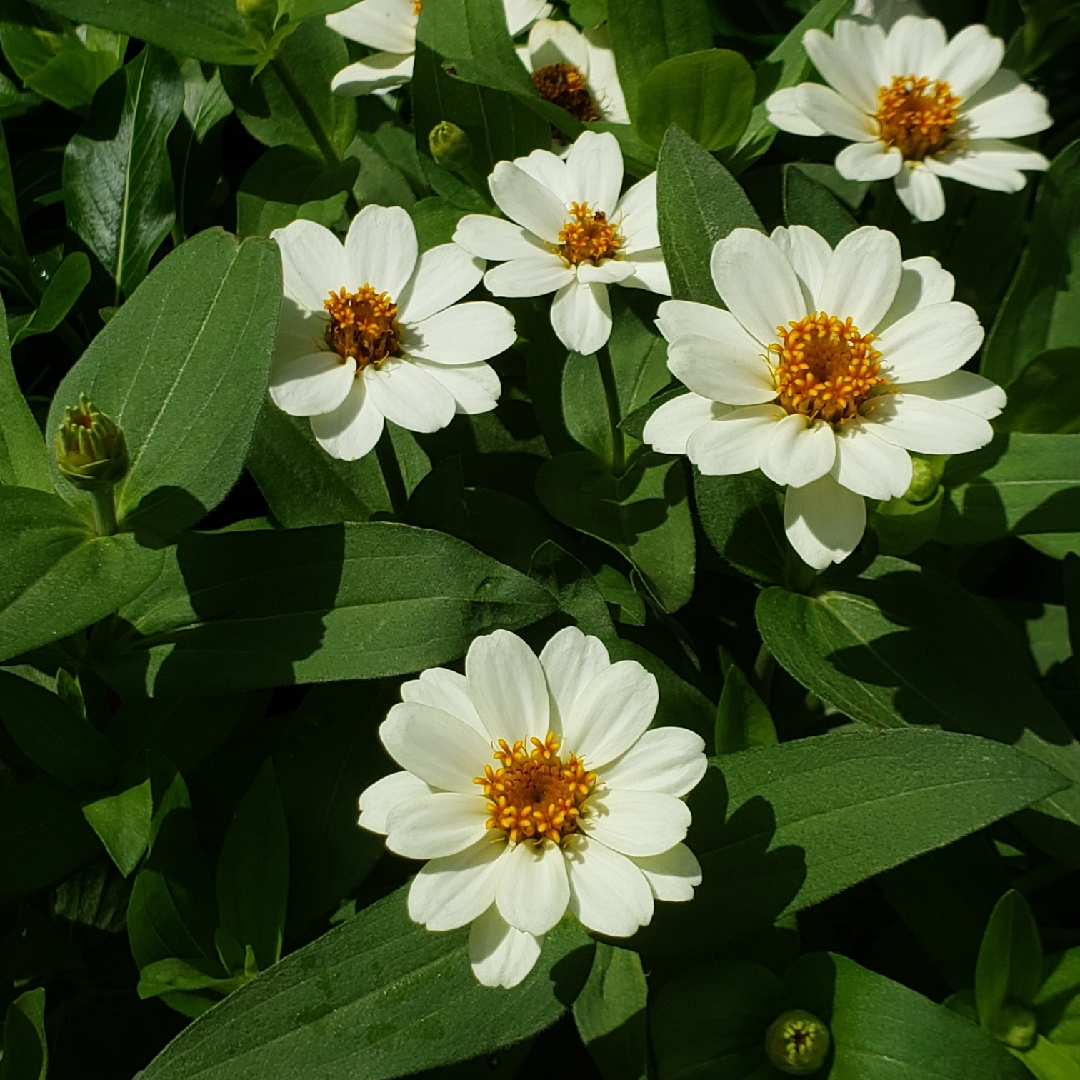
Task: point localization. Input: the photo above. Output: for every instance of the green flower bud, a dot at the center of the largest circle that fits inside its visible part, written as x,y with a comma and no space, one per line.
90,448
797,1042
1015,1026
450,146
925,477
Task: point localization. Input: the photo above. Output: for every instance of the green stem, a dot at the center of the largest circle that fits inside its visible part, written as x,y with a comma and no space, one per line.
307,114
104,511
391,470
611,395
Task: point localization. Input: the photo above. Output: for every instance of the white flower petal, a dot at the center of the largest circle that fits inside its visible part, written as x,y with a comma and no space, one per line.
528,202
352,429
608,893
300,332
1009,115
610,713
835,115
442,750
929,342
495,238
530,275
868,465
798,451
862,277
734,442
757,283
824,521
920,191
673,874
312,384
923,281
925,425
521,13
475,387
635,215
312,262
844,69
609,272
914,45
571,660
668,759
710,369
650,272
603,78
382,24
685,318
380,798
635,822
869,161
968,61
499,954
408,395
461,334
782,110
431,826
668,429
991,164
556,41
594,171
533,891
507,686
581,316
809,254
380,249
380,71
444,274
549,170
868,46
964,389
452,891
441,688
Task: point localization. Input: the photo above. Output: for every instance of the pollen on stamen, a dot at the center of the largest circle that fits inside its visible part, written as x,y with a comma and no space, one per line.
362,326
564,85
917,115
588,236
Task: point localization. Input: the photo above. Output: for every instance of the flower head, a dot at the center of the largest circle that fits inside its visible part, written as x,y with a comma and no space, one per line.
571,234
826,369
370,330
917,108
532,787
390,26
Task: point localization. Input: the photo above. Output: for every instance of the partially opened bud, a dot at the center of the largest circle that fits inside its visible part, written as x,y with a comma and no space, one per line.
1015,1026
797,1042
450,146
90,448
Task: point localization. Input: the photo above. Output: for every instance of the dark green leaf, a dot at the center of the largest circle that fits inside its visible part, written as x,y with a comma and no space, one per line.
742,718
15,266
122,823
435,219
585,407
1010,965
64,288
26,1052
638,353
22,449
1057,1003
610,1013
806,202
1045,398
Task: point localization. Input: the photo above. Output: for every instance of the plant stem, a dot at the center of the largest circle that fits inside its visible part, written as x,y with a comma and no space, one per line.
611,395
307,113
391,470
104,511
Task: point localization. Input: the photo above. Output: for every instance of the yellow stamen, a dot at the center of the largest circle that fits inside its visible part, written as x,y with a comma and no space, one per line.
564,85
917,115
362,326
588,236
416,5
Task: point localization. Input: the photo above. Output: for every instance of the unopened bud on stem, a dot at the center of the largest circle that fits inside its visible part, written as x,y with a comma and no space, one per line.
92,453
797,1042
450,146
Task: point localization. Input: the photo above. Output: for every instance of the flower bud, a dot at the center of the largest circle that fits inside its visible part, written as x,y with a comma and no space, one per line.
450,146
1015,1026
926,473
90,448
797,1042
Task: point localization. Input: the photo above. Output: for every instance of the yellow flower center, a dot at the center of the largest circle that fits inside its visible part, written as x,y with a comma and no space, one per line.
564,85
362,326
824,368
533,795
416,5
588,236
916,115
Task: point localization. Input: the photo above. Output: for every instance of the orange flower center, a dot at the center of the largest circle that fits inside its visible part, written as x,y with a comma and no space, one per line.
564,85
416,5
533,795
588,236
362,326
916,115
824,368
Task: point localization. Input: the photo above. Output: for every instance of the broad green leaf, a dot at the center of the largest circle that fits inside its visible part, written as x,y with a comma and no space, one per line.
742,718
253,871
1045,398
118,188
64,288
369,1001
610,1013
22,449
26,1051
638,352
50,553
806,202
1047,1061
585,406
1010,965
589,13
708,94
122,823
1057,1003
247,609
182,368
435,220
55,737
16,269
698,203
1041,310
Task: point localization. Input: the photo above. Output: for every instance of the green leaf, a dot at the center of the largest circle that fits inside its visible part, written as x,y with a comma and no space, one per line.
806,202
253,871
183,368
248,609
638,353
708,94
368,1001
22,449
1010,964
436,220
610,1013
50,553
1044,398
1057,1003
1047,1061
15,267
118,188
122,823
585,406
64,288
55,737
1042,307
26,1052
698,203
742,718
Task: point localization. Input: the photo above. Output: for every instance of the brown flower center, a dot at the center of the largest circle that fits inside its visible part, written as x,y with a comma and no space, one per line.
362,326
588,236
916,115
564,85
825,369
534,795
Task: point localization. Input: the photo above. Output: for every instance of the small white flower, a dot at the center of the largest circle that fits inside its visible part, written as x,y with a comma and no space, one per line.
390,25
826,369
569,233
369,330
575,70
533,787
917,108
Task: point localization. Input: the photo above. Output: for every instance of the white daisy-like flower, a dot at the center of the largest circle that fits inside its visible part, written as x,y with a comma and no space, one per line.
826,369
390,25
534,787
569,233
916,108
369,330
575,70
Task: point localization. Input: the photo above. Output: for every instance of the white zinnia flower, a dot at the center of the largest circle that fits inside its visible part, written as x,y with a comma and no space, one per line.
826,369
390,25
533,787
368,330
917,108
575,70
569,233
